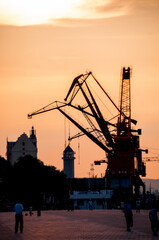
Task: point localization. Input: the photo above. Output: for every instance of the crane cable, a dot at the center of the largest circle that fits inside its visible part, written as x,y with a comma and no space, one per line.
64,131
100,100
78,145
78,151
69,131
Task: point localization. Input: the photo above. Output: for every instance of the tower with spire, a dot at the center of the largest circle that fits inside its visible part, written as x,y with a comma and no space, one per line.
68,161
33,136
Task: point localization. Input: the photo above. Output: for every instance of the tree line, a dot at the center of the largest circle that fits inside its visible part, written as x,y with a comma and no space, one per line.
33,183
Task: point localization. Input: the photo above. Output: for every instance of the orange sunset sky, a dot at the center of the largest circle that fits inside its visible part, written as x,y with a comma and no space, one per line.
45,44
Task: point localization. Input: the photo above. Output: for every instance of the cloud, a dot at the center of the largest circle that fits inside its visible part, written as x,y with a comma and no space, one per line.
101,8
55,12
115,8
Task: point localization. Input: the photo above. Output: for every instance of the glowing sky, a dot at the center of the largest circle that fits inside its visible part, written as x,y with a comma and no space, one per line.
34,11
45,44
21,12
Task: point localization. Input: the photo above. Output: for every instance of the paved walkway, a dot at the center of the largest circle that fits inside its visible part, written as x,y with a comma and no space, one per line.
77,225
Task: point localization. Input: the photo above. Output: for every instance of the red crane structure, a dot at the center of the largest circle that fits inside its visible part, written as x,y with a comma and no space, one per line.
119,140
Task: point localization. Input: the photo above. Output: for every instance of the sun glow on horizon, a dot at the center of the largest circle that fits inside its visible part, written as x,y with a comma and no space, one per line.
30,12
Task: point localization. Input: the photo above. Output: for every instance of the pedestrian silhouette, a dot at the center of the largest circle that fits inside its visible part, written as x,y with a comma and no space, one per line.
30,210
18,208
90,204
138,205
128,215
154,220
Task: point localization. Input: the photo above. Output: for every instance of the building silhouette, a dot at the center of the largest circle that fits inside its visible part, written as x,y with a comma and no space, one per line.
23,146
68,162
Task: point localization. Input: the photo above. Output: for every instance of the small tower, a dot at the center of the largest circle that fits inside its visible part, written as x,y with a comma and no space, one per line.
33,137
68,162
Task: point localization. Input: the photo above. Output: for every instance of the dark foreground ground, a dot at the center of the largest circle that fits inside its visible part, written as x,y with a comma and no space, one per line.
77,225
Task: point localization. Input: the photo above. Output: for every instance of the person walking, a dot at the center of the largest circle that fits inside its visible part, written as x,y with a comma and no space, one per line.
138,205
90,204
18,208
154,221
30,210
128,216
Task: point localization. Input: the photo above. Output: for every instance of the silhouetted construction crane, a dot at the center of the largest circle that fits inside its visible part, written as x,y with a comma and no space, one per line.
119,140
150,159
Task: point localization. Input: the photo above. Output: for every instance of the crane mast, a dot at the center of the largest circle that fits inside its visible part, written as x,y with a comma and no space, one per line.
125,165
125,102
125,95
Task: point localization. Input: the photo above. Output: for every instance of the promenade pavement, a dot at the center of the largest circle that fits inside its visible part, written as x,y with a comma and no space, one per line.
77,225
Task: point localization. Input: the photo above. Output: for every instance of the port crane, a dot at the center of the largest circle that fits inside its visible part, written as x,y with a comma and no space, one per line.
119,140
151,159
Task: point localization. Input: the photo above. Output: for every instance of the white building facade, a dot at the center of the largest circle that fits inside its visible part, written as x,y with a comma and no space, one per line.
23,146
81,199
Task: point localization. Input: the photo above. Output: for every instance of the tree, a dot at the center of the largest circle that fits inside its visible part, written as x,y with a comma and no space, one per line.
30,179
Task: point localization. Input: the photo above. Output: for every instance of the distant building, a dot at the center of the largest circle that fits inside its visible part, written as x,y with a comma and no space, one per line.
68,162
84,190
99,199
23,146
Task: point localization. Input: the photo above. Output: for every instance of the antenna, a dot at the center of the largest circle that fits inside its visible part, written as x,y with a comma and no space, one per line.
78,144
69,133
92,170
